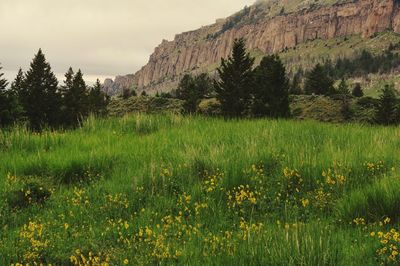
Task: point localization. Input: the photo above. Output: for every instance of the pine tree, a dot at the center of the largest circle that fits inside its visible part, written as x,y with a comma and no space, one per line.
271,89
144,93
343,88
75,98
236,79
357,91
318,82
386,113
98,100
40,96
5,116
17,84
192,89
15,96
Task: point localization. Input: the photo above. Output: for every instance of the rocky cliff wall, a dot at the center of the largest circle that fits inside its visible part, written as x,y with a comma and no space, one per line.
203,49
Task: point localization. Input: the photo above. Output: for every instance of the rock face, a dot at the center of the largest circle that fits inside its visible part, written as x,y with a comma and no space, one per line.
202,49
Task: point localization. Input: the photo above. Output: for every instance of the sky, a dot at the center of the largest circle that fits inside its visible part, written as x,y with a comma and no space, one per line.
104,38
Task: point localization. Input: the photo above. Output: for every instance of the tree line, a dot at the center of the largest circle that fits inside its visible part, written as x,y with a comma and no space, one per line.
263,91
35,98
241,89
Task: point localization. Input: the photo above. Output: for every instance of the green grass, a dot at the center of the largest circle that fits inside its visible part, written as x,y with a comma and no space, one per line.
168,189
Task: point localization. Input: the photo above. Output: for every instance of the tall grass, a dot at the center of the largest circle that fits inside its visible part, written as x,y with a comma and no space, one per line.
114,177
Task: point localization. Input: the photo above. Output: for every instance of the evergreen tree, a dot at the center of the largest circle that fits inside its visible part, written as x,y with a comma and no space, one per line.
343,88
271,89
75,98
386,113
357,91
65,90
5,108
236,79
15,96
144,93
17,84
192,89
40,97
318,82
98,100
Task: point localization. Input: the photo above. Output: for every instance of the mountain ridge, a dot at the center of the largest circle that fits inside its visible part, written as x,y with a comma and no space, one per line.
266,30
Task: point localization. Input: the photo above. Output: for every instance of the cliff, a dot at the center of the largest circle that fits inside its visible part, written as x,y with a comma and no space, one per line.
268,27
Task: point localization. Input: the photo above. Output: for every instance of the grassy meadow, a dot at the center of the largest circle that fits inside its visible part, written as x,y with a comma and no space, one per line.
169,189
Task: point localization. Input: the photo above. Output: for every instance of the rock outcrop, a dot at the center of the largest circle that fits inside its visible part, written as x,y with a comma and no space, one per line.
202,49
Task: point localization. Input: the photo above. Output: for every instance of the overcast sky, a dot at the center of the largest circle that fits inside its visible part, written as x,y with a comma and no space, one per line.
102,37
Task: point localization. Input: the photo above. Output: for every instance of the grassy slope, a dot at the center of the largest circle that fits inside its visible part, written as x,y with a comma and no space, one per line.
148,176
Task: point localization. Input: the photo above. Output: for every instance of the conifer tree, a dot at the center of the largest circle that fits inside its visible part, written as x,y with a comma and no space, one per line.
357,91
318,82
192,89
5,115
386,113
17,84
40,96
236,79
98,100
75,98
343,88
271,89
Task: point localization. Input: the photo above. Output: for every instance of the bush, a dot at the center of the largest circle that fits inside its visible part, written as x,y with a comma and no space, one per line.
210,107
368,102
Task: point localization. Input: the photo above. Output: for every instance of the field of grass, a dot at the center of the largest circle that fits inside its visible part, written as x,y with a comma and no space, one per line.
168,189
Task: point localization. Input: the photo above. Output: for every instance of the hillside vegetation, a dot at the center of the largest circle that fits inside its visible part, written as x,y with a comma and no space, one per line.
167,189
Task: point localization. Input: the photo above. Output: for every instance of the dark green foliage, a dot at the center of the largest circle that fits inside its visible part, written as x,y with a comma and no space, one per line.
127,93
357,91
144,93
386,113
17,84
271,89
346,110
343,88
368,102
75,98
236,80
98,100
192,89
318,82
10,110
40,97
364,63
166,95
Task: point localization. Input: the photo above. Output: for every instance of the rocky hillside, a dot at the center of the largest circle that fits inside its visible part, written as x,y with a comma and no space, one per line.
270,26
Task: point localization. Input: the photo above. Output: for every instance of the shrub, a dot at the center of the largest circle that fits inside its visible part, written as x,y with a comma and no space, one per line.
210,107
368,102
